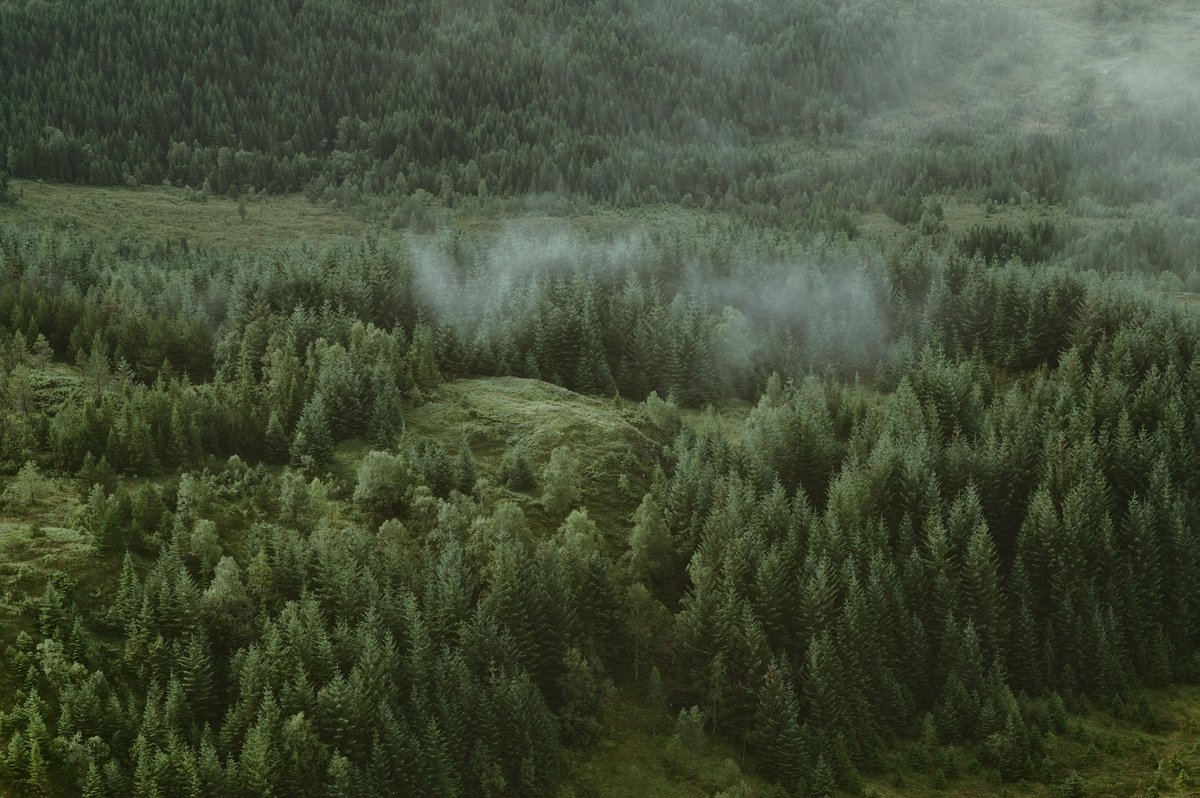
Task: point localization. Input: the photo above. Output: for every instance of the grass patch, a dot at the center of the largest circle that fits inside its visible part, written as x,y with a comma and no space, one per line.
37,542
633,759
150,215
493,414
1116,758
164,214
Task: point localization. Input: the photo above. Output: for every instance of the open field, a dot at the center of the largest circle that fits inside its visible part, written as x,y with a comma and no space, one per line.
151,215
164,214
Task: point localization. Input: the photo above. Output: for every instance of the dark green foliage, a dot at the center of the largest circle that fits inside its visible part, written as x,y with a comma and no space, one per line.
266,100
278,446
516,471
312,444
1001,244
359,698
1073,787
561,482
387,409
384,486
585,690
651,550
52,615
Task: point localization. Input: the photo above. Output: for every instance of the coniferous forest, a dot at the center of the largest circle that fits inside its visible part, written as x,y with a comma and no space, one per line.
714,398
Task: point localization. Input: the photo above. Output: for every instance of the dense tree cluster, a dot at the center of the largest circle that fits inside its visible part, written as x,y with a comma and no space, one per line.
951,552
330,94
993,523
322,662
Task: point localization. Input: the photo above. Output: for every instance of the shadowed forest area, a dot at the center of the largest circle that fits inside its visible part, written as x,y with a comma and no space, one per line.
724,398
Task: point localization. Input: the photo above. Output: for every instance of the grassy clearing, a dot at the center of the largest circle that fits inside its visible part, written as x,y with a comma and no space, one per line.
36,541
634,759
157,214
150,215
1115,758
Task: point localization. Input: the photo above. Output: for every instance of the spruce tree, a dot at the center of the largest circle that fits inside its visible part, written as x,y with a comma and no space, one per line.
387,406
561,488
93,782
821,782
52,614
277,444
38,779
516,472
313,440
585,691
650,547
1073,787
982,592
776,729
197,677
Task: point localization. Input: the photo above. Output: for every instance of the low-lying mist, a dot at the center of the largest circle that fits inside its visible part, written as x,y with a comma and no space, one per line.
819,306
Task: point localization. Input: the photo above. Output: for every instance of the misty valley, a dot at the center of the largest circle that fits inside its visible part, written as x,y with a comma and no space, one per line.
682,398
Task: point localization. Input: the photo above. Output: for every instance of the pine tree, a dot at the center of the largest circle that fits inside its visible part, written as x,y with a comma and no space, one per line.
1037,544
277,444
1024,670
822,783
464,468
516,472
585,692
313,441
95,368
258,765
646,621
93,783
421,360
197,677
688,737
52,614
387,408
340,781
776,729
561,488
956,712
650,547
38,780
982,596
1073,787
592,373
293,497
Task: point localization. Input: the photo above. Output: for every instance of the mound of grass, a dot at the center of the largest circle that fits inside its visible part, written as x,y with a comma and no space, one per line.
494,414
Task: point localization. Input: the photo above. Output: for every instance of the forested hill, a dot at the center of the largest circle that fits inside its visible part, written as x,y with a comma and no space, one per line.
527,96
